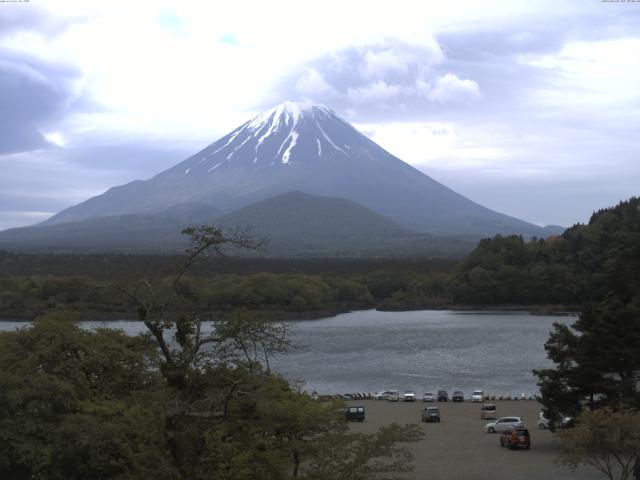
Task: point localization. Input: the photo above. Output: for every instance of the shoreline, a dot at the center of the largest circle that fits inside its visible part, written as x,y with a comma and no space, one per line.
309,315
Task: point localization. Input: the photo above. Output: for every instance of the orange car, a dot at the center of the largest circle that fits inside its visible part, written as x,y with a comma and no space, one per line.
515,437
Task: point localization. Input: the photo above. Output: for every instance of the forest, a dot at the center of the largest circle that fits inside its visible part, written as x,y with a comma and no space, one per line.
560,272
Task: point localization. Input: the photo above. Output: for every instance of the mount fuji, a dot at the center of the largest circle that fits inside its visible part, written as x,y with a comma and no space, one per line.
295,147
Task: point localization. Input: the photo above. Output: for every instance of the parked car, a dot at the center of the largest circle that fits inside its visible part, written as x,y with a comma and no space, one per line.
383,395
503,424
488,411
515,437
355,413
477,396
457,396
428,397
565,422
443,396
409,396
394,396
543,422
431,414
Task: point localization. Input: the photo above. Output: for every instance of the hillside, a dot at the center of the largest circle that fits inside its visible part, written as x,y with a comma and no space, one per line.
581,265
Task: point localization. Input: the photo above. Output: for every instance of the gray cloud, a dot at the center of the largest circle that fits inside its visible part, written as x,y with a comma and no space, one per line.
16,17
34,94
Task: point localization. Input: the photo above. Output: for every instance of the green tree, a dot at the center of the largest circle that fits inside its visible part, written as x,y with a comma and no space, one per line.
597,361
228,416
605,439
76,404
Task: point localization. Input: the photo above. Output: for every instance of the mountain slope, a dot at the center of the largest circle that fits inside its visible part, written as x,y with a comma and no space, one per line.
296,224
307,148
299,223
131,232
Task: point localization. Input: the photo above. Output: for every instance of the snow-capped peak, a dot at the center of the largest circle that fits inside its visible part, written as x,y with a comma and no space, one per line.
291,134
286,113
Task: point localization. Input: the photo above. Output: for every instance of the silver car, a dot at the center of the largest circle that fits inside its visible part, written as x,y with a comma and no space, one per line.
503,424
477,396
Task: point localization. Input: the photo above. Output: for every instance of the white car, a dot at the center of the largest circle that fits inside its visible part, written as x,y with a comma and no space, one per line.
428,397
543,422
503,424
409,396
394,396
383,395
477,396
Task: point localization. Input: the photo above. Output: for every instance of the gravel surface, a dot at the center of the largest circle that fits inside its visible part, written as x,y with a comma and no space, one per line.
458,447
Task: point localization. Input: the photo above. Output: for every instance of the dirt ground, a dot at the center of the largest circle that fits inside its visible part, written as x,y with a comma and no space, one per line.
458,447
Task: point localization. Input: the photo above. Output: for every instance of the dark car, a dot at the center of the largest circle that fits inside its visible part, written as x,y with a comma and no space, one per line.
431,414
355,413
488,411
457,396
515,437
443,396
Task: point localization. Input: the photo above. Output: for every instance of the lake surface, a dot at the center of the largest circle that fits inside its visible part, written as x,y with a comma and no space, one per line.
368,351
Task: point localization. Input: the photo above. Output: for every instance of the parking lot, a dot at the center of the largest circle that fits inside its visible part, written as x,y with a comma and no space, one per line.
458,447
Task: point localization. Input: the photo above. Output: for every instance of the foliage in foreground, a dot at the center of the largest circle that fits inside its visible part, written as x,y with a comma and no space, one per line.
78,404
605,439
177,403
597,360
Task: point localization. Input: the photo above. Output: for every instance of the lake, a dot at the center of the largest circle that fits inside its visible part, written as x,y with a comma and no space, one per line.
368,351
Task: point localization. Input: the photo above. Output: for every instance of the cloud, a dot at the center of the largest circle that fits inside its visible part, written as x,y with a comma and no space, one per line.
312,83
449,88
16,18
373,81
34,94
377,64
374,92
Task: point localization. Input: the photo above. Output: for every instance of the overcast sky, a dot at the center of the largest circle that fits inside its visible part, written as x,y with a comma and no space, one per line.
531,108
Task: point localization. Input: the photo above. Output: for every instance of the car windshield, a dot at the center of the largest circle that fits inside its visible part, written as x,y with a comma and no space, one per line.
489,407
477,392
